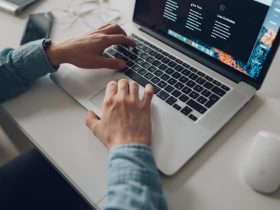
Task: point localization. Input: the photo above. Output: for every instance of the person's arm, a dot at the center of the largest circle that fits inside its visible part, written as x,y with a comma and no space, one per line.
134,179
20,67
125,128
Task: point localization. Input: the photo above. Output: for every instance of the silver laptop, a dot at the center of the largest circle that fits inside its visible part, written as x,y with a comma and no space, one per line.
206,61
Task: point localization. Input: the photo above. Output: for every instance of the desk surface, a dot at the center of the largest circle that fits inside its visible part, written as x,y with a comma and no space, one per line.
211,180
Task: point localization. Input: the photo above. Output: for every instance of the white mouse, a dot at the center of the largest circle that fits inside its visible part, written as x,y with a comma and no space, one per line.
262,169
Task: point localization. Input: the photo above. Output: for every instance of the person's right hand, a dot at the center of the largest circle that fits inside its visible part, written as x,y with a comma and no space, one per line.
126,119
86,51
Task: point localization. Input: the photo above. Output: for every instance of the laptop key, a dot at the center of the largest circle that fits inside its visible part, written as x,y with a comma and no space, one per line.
214,97
194,95
158,73
156,63
142,71
206,93
210,103
155,80
169,71
216,82
152,69
163,67
198,88
190,83
171,100
172,81
179,85
200,81
226,88
208,85
130,63
218,91
192,117
165,60
196,106
186,90
201,100
183,79
179,61
186,111
176,106
148,76
165,77
193,76
176,75
136,68
145,65
210,79
150,59
141,80
193,69
179,68
163,95
162,84
186,72
172,64
186,65
184,98
169,89
176,93
200,74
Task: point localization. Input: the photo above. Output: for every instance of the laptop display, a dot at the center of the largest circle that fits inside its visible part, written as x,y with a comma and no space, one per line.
239,34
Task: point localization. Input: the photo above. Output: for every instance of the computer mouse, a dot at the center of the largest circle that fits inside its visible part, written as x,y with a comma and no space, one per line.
262,168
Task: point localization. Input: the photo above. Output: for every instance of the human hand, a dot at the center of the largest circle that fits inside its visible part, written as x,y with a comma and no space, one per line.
126,119
86,51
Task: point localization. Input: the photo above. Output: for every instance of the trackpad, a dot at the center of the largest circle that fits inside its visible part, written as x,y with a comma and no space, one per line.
97,100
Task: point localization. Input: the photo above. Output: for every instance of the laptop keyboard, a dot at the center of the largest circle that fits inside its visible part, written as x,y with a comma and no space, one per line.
180,85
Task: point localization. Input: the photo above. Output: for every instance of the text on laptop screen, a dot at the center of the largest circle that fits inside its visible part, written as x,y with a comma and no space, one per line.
239,33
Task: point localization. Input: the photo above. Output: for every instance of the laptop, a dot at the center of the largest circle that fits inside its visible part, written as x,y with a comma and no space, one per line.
206,62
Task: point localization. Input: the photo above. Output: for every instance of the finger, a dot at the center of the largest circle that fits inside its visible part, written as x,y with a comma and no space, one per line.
119,39
104,27
92,122
111,90
111,29
148,95
110,63
123,87
134,90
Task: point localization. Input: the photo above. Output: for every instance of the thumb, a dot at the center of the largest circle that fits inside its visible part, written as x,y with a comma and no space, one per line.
92,122
111,63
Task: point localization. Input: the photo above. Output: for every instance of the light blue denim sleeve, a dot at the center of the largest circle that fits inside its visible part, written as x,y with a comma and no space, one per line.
20,67
134,182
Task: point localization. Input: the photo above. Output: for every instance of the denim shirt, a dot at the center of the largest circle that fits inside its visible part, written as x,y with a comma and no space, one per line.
133,179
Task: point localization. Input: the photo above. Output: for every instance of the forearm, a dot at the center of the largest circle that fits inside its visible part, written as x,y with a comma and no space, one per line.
134,180
19,68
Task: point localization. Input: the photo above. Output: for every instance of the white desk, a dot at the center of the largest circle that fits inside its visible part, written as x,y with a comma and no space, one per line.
54,122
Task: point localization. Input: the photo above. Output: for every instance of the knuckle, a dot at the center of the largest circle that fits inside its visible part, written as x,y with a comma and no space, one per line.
108,102
103,38
116,26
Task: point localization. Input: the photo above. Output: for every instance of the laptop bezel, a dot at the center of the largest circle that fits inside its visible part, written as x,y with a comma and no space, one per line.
202,58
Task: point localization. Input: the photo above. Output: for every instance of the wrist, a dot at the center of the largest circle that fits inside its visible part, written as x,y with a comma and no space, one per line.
131,141
54,54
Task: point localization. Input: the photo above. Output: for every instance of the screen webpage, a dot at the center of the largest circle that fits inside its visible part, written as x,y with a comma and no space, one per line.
239,34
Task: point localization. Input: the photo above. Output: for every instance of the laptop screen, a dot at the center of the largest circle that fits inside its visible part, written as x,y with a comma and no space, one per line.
237,33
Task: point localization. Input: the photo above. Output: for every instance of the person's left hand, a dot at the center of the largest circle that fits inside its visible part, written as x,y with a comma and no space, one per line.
86,51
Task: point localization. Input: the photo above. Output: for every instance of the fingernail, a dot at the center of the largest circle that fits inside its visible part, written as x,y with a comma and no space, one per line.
122,65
